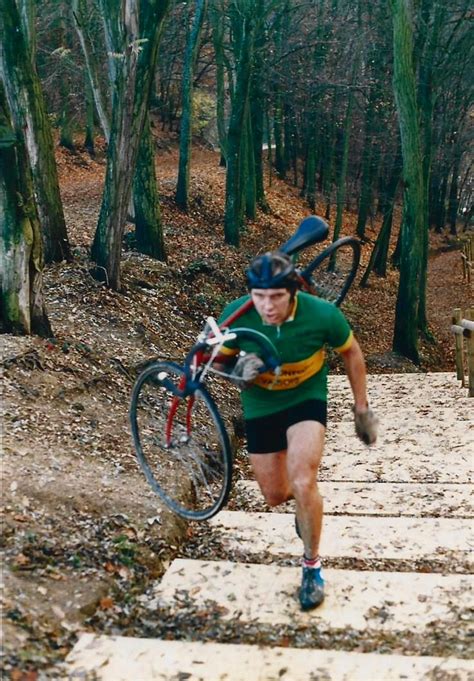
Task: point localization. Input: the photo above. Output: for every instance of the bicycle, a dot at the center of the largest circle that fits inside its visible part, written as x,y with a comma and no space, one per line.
179,436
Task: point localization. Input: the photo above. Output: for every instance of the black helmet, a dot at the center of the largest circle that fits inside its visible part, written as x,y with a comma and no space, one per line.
274,269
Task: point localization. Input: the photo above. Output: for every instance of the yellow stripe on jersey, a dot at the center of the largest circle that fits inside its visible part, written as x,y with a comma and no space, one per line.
292,373
228,351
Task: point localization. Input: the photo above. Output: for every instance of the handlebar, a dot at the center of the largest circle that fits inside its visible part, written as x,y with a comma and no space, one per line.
267,350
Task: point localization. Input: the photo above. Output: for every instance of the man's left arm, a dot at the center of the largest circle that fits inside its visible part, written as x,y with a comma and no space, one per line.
365,420
356,373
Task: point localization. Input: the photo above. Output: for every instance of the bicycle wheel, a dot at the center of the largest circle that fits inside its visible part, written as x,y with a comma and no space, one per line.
181,443
331,274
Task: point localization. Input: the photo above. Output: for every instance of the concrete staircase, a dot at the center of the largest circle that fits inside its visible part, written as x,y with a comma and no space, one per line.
396,541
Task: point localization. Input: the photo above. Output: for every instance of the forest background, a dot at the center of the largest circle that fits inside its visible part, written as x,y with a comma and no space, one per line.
361,102
147,152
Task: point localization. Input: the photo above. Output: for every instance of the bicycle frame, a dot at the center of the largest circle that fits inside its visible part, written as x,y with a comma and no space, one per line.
197,356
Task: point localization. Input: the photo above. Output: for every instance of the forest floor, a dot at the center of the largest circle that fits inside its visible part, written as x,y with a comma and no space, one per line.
82,535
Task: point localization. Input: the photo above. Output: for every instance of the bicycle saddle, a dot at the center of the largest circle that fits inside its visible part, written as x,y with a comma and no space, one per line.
312,230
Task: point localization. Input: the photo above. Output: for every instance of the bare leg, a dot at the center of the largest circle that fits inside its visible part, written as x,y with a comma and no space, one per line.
305,449
271,473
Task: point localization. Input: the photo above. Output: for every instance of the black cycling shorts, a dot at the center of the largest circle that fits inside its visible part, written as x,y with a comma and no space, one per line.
267,434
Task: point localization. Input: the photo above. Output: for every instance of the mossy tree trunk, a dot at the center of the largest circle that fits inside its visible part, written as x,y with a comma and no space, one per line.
405,339
235,189
192,47
26,103
248,170
217,24
21,249
148,224
141,32
341,182
89,142
379,255
66,89
429,49
365,199
258,106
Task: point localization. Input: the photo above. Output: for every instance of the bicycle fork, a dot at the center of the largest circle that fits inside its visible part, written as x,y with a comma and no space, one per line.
175,403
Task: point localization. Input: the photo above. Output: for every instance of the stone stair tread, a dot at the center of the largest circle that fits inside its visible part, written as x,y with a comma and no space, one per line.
139,659
402,391
340,411
390,464
366,537
266,594
423,431
376,498
445,381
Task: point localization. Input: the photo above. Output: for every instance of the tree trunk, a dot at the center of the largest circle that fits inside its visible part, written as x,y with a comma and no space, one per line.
27,12
453,199
310,167
248,175
80,16
148,225
257,110
25,100
89,143
278,137
21,249
341,185
405,339
330,151
215,14
192,46
367,166
233,218
379,255
134,82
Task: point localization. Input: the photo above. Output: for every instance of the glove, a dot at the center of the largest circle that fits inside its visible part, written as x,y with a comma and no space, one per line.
366,424
246,370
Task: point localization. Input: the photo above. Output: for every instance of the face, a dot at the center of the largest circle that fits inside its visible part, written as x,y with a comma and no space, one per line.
272,304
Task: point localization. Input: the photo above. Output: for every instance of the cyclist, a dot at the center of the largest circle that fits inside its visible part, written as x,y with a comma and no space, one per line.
285,415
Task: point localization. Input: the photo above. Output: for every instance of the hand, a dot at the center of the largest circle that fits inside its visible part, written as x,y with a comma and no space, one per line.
366,425
246,370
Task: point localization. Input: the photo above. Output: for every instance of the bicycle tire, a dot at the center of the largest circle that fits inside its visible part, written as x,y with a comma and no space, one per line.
331,273
193,473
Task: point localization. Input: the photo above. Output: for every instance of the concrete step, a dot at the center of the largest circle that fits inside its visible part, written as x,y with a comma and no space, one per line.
361,601
395,463
387,499
407,436
449,413
446,433
447,541
390,393
131,659
416,387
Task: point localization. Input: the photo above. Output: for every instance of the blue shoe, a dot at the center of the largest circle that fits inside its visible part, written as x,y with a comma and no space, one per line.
312,588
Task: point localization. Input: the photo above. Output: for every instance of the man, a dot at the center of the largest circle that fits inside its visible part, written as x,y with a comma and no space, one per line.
285,415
